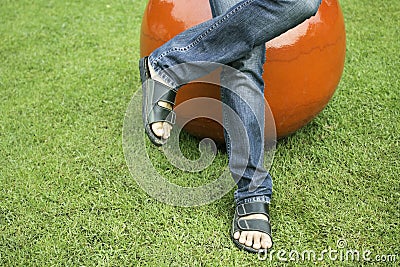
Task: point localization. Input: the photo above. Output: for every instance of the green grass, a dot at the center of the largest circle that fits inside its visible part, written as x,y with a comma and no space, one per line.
67,73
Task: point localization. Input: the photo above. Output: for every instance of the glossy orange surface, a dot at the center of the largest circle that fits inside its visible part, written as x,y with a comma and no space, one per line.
303,67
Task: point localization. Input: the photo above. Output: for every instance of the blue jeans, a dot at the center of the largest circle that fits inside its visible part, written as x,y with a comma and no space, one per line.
236,36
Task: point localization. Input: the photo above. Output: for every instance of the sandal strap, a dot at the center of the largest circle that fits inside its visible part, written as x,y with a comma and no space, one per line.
163,93
161,114
253,208
258,225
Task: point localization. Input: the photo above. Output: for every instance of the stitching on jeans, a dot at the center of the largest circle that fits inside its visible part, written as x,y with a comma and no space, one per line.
199,38
225,122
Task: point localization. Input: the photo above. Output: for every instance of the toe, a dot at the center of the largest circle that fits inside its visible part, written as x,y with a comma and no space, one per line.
265,241
257,240
166,130
157,129
236,235
243,237
249,239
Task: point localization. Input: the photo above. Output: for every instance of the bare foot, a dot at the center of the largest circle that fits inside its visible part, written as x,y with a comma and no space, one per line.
254,239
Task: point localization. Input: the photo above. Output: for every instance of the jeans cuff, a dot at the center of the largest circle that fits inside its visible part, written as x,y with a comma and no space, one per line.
162,74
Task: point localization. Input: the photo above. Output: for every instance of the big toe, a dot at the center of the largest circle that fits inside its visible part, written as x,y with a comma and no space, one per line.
266,241
158,129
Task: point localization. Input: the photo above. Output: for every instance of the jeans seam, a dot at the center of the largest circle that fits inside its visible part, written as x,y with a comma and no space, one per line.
225,122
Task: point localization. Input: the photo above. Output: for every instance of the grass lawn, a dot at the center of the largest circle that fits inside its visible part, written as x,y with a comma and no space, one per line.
67,72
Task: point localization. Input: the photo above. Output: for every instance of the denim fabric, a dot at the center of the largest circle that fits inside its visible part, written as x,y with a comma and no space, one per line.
251,113
232,35
236,37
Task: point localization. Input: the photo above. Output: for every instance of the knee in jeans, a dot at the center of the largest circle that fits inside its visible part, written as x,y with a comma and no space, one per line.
306,8
312,6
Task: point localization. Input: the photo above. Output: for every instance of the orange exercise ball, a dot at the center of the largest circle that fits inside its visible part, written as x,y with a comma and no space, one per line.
302,71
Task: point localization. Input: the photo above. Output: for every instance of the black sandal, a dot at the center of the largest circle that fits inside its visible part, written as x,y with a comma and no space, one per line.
259,225
153,92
